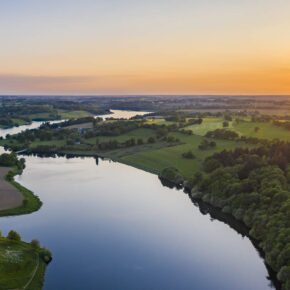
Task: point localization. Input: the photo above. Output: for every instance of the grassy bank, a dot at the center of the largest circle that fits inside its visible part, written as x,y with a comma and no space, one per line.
31,202
22,265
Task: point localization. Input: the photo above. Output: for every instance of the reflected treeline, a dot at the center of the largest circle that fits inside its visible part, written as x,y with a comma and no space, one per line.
64,155
216,214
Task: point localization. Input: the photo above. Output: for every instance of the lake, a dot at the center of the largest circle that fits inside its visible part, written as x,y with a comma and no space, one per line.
111,226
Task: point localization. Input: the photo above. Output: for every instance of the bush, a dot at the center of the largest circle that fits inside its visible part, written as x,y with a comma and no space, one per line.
46,255
172,174
151,140
13,235
35,243
205,144
211,164
188,155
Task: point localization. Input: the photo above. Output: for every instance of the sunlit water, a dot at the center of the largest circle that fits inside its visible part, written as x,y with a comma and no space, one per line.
111,226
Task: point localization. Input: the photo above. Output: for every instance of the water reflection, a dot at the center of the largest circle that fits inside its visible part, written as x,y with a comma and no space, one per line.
112,226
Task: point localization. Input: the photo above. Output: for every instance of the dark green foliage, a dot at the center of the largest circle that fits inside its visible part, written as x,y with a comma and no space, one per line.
8,160
285,124
46,255
13,235
195,180
223,134
35,243
187,132
171,139
205,144
171,174
210,164
253,185
188,155
176,118
11,160
194,121
151,140
225,124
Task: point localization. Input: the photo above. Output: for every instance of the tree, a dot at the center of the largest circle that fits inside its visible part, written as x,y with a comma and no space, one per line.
225,124
257,129
151,140
188,155
13,235
46,255
172,174
35,243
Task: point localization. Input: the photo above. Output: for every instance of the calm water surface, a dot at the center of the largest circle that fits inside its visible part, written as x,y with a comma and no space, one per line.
36,124
111,226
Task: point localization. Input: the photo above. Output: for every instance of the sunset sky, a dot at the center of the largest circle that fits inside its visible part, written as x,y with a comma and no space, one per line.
145,47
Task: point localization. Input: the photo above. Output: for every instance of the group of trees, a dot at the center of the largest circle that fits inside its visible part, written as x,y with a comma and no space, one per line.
188,155
205,144
186,132
285,125
222,134
254,186
10,160
172,175
194,121
58,132
45,253
117,128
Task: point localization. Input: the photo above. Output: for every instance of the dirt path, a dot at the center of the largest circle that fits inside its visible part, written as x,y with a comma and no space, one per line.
33,273
10,197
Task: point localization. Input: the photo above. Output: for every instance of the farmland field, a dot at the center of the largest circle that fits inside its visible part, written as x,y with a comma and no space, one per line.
266,130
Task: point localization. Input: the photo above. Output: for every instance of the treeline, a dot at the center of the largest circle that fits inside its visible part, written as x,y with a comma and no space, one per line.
71,122
285,125
254,186
117,128
11,160
222,134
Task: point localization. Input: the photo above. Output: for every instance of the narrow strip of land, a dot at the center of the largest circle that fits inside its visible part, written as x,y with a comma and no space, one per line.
10,197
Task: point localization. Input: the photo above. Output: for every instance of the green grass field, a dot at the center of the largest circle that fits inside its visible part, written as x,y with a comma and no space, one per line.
156,160
73,114
141,133
208,124
266,131
20,266
160,122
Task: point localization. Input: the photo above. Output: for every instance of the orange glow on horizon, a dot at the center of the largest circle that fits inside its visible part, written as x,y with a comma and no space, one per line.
181,47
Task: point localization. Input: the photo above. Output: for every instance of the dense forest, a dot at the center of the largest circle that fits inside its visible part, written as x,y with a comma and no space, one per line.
254,186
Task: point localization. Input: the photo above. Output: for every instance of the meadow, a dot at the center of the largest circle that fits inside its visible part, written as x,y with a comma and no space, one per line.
156,160
20,266
265,131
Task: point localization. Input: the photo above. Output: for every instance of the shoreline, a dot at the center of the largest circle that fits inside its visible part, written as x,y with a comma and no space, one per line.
214,211
10,197
30,201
